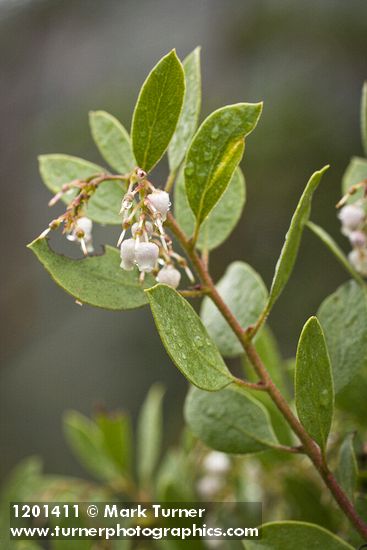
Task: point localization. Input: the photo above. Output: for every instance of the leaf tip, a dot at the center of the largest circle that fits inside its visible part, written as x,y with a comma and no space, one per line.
324,169
33,244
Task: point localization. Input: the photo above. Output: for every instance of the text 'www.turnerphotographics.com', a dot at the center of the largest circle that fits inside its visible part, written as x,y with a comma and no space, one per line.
112,520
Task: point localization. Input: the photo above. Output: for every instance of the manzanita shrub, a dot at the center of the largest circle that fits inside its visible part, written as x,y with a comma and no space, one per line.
161,260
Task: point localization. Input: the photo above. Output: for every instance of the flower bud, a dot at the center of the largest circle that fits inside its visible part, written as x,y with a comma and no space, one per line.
169,276
216,463
160,201
351,216
358,239
127,251
141,174
146,256
358,259
148,228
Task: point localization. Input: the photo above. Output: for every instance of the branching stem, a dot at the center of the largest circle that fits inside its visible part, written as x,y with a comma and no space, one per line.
309,446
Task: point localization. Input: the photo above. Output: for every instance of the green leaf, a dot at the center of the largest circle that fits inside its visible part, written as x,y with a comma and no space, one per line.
105,204
347,469
112,140
190,111
314,383
245,294
157,111
117,438
364,117
186,340
222,219
215,152
291,535
292,241
87,443
334,249
149,437
229,420
343,316
355,173
351,400
96,280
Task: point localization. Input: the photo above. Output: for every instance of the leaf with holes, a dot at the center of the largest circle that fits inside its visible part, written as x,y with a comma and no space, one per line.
97,280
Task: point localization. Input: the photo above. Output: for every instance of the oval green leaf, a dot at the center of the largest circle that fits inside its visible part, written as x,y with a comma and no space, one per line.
222,219
343,317
229,421
157,111
314,383
215,152
97,280
186,339
245,294
292,535
292,241
112,140
190,111
104,206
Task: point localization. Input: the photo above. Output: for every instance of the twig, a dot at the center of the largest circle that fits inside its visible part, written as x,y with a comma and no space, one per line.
309,446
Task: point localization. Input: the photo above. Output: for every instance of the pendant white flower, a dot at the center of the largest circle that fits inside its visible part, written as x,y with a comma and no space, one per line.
169,275
216,463
127,252
146,256
351,216
160,202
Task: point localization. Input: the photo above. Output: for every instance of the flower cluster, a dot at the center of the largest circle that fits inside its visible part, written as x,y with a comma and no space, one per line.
144,210
354,226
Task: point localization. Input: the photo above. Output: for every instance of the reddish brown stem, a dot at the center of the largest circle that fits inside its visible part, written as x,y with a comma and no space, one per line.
308,444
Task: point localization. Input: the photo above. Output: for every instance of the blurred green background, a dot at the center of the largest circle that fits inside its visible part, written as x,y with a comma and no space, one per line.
62,58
